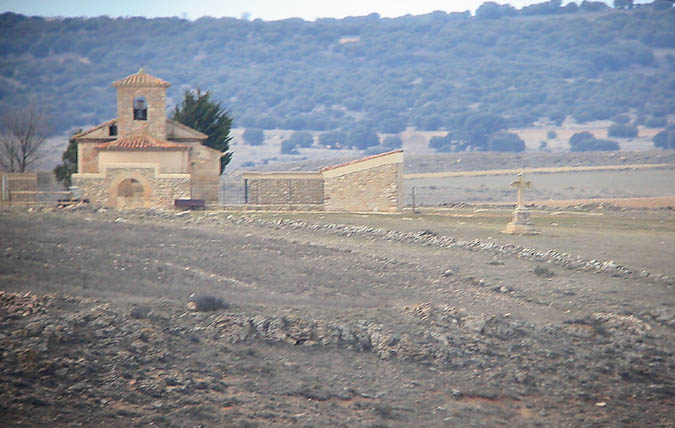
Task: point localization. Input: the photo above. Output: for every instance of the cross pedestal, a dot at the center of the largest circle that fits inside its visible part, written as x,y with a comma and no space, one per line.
520,223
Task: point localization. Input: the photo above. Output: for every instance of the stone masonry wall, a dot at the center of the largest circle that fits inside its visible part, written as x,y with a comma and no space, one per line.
285,191
155,125
87,157
375,189
205,172
159,190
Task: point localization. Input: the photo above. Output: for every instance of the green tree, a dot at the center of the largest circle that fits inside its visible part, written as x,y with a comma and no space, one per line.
199,112
393,142
586,142
666,138
623,4
68,167
492,10
620,130
302,139
333,139
505,142
362,138
621,118
656,122
288,147
478,128
254,136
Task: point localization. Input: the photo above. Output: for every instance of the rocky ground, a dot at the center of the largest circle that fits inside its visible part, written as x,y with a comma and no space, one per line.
354,321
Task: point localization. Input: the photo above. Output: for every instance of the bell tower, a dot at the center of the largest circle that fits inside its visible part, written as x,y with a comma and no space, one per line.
141,105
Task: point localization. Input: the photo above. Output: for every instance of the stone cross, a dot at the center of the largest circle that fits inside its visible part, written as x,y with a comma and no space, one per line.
521,185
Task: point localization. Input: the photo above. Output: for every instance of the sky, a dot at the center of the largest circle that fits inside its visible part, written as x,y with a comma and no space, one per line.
267,10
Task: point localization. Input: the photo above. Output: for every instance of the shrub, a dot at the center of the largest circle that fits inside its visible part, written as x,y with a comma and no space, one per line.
384,410
551,135
586,142
288,148
622,131
206,303
543,271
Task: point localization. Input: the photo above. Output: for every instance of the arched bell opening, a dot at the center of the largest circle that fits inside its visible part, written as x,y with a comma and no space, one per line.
140,108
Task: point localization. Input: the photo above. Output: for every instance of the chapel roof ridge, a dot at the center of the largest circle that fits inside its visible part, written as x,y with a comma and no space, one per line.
379,155
94,128
140,142
140,79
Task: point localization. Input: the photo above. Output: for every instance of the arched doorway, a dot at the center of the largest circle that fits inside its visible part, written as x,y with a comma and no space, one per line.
130,194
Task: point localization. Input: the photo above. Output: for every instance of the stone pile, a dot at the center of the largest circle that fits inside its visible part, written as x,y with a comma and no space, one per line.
427,238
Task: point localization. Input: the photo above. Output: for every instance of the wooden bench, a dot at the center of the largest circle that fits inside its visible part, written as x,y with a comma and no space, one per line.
189,204
65,202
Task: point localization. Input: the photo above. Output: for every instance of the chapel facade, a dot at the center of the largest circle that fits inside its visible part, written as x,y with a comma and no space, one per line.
141,159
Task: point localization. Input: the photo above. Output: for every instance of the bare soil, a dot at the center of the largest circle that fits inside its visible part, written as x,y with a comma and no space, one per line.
431,319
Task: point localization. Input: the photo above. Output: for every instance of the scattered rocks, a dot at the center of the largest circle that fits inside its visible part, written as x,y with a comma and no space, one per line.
429,238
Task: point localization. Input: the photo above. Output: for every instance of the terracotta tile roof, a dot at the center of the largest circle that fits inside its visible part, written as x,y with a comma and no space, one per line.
140,142
328,168
141,79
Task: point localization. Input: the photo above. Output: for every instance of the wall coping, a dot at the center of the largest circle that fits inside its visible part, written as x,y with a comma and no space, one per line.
281,175
389,158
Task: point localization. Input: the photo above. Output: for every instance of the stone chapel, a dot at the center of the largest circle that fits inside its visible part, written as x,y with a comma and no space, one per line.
141,158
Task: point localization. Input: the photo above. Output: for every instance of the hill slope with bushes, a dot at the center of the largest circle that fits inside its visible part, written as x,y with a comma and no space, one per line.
433,72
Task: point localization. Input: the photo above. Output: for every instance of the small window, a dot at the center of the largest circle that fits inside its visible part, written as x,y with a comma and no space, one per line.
112,130
140,108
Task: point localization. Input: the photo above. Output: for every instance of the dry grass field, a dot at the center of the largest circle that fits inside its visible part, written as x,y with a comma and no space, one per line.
564,185
432,319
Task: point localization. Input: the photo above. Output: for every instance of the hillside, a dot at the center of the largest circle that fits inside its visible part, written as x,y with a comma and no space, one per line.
432,72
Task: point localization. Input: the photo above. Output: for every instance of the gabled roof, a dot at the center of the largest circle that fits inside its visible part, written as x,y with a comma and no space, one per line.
95,128
189,132
342,165
141,79
175,131
140,142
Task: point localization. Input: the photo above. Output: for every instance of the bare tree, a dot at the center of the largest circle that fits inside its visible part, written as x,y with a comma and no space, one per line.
22,133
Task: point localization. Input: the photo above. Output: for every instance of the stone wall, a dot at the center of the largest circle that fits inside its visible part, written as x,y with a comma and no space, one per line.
159,190
301,189
372,184
205,172
18,188
376,189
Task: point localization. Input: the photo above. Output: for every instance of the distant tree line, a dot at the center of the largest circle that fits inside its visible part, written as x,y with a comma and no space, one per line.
543,62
